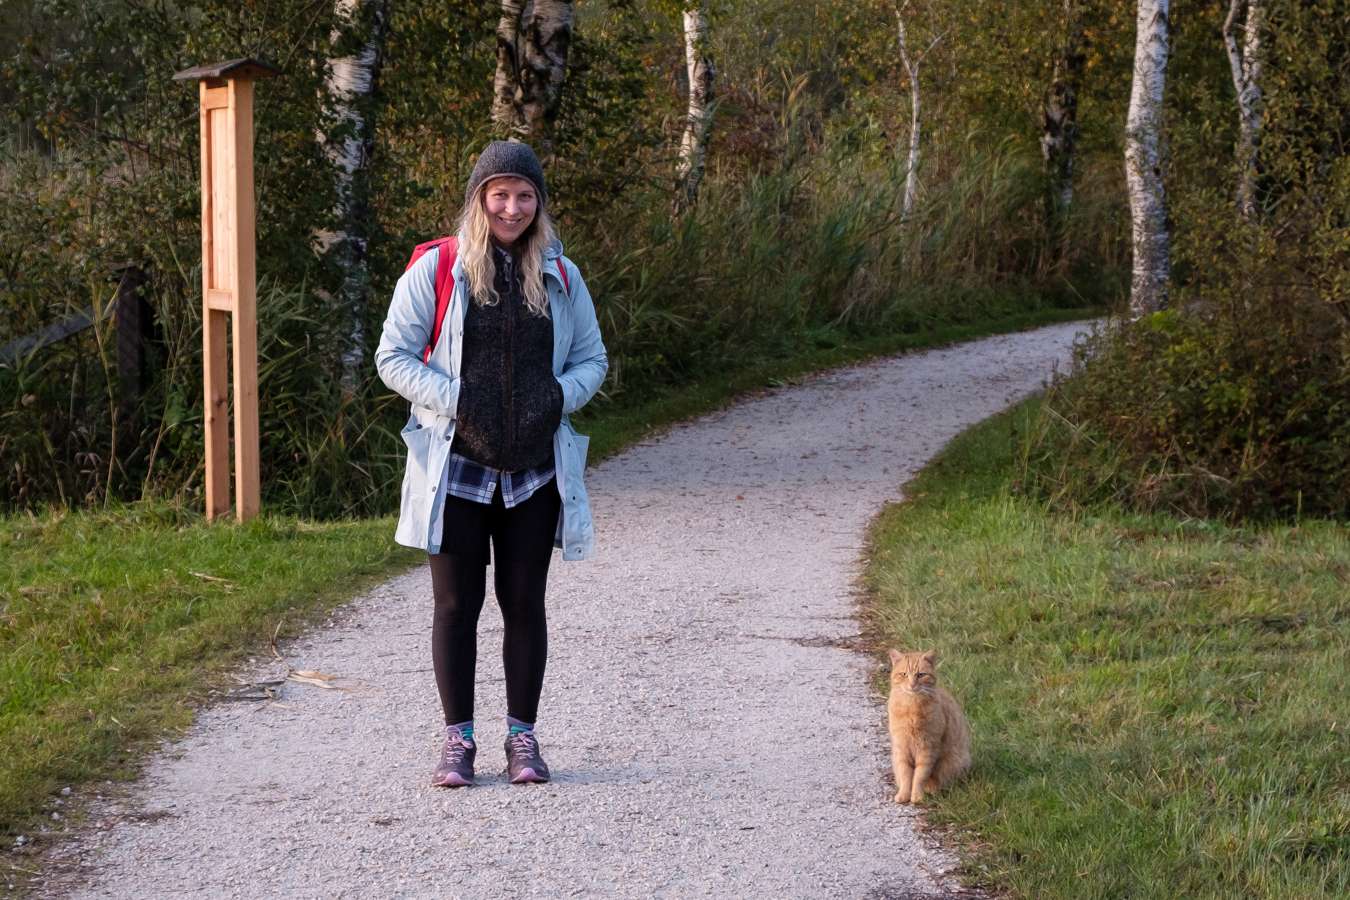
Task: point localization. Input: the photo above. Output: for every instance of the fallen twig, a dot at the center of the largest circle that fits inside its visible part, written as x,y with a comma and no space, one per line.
305,676
205,577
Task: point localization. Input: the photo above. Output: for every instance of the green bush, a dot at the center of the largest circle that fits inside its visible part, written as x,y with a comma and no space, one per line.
1239,412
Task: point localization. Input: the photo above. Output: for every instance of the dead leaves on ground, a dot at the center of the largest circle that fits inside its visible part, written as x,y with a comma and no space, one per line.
270,690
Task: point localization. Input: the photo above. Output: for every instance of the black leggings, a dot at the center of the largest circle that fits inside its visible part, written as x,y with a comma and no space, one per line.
522,541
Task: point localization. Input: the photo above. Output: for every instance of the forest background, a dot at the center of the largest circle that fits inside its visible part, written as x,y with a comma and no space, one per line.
796,241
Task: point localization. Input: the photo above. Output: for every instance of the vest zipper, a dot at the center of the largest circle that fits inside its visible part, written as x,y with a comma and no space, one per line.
507,359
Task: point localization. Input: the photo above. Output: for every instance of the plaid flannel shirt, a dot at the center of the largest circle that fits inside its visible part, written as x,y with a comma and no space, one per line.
471,481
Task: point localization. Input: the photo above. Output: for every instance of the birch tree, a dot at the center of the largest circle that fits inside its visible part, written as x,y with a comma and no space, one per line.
1245,62
1143,160
911,65
1059,114
533,37
698,120
349,83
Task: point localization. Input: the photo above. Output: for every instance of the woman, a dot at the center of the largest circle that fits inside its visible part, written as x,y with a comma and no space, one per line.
494,466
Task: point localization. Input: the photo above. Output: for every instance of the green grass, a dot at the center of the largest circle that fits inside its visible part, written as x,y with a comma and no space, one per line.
1159,706
115,624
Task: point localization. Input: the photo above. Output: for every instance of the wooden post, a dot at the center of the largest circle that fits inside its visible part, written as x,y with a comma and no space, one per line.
229,285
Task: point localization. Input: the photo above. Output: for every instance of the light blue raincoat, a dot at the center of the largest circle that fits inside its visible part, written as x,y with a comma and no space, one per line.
579,364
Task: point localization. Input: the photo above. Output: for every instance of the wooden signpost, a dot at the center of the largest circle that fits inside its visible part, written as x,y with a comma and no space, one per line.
229,287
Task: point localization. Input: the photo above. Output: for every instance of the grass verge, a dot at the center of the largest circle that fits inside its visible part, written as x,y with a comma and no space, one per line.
115,624
1159,705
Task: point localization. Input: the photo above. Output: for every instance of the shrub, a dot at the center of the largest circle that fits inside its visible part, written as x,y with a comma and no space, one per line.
1240,411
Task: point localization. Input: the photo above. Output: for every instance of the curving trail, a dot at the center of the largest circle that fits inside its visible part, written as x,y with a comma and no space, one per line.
710,730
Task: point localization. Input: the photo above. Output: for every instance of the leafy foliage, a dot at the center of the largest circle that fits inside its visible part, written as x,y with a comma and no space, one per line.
1237,402
1244,415
795,237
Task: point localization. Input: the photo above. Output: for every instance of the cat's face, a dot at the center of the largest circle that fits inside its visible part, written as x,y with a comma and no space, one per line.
914,672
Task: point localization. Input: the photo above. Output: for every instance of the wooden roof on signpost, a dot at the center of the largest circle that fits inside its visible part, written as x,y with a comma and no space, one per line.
230,68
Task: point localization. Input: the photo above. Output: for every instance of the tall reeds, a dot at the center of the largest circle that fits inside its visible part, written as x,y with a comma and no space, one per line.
766,265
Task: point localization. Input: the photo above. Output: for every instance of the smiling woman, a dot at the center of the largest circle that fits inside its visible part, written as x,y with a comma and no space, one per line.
494,465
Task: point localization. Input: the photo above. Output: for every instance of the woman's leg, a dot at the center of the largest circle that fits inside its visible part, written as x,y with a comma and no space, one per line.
523,543
458,584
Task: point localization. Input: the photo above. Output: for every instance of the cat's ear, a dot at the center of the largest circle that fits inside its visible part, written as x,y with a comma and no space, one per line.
931,658
895,656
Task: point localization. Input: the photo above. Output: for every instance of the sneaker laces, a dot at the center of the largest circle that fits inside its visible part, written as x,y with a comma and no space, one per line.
455,747
524,743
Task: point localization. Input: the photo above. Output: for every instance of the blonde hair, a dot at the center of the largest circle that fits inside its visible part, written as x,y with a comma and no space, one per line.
475,248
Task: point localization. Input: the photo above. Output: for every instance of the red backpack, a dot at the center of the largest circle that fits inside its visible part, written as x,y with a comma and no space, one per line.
445,281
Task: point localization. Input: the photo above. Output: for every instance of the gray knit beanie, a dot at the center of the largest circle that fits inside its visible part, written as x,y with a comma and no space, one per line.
507,158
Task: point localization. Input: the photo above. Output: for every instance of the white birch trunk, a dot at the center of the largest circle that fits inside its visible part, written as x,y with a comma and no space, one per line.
912,70
911,64
1245,62
349,82
533,37
698,121
1143,160
506,82
912,171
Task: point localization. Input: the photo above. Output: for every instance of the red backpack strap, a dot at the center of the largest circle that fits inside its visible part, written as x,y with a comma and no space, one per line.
445,283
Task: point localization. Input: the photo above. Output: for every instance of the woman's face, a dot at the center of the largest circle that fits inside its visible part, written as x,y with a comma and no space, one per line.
510,204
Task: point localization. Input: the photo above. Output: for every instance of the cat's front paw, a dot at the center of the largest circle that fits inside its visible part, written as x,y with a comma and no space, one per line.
901,796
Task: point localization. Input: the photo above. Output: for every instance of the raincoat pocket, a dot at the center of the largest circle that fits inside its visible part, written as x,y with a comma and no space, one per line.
576,534
418,484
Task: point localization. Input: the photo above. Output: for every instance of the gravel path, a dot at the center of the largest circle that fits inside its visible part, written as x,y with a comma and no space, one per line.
710,730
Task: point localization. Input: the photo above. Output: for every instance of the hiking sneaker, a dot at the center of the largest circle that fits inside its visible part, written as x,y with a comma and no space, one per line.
456,765
524,765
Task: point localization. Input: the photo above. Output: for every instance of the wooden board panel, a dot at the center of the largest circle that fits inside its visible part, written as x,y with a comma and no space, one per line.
223,212
222,300
215,380
208,253
246,438
214,370
215,97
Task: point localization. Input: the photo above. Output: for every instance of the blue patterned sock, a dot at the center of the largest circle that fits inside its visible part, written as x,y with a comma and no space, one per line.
516,726
465,728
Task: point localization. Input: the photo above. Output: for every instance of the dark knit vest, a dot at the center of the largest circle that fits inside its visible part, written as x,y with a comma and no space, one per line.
509,402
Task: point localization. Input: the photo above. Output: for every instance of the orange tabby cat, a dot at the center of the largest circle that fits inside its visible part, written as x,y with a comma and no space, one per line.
930,740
